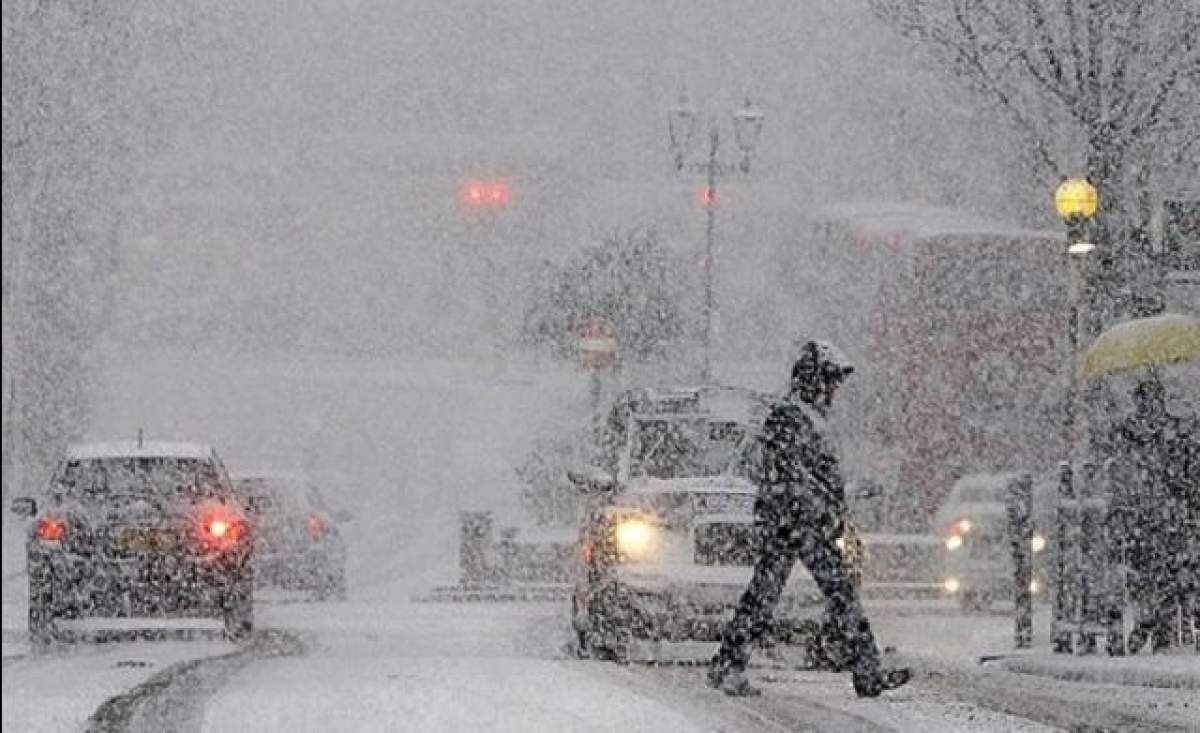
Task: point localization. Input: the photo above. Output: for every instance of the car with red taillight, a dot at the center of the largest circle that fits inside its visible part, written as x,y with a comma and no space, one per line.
299,540
138,529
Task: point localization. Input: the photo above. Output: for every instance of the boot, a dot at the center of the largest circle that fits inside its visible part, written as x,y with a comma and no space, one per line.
733,683
874,685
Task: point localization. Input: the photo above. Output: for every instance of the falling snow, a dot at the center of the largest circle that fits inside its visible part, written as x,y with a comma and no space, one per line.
629,366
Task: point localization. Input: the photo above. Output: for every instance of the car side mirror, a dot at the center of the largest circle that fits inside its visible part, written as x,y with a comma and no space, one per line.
868,490
24,506
591,479
259,503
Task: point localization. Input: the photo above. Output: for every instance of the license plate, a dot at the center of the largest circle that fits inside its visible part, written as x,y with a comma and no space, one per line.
140,539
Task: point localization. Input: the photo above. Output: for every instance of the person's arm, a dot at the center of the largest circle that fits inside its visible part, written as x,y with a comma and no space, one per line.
814,458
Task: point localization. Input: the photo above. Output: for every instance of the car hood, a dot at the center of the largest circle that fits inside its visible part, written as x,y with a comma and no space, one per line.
665,575
701,485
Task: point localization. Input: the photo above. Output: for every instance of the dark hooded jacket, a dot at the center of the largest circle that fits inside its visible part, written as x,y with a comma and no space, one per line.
798,472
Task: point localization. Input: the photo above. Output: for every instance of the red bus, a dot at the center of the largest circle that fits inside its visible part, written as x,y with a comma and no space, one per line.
960,327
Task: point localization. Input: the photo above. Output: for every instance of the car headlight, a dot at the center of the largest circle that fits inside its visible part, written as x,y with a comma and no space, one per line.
964,525
1038,543
951,585
635,538
1034,586
953,542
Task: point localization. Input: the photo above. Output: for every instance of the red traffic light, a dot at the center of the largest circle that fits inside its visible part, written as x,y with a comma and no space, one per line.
706,197
485,193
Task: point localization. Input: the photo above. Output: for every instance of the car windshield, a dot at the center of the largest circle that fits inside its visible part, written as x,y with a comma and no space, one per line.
102,477
686,448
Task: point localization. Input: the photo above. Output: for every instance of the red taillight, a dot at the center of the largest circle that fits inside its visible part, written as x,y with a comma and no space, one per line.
221,527
315,526
50,529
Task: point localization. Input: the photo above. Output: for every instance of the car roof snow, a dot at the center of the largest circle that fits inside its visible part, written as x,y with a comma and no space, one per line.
135,449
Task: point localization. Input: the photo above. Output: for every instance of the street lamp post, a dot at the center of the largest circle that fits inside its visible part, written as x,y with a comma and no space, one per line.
1076,203
681,124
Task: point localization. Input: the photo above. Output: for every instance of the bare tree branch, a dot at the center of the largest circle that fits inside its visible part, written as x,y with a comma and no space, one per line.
1077,58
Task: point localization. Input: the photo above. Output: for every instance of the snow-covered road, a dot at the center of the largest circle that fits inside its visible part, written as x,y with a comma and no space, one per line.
412,444
383,662
397,665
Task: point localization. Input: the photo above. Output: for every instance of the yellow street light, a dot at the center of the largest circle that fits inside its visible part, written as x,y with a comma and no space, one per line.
1075,197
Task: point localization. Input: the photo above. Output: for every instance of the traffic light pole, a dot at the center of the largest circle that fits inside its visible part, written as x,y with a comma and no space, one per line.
1019,511
710,200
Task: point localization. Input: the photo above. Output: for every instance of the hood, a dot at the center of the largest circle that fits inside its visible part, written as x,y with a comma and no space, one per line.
699,485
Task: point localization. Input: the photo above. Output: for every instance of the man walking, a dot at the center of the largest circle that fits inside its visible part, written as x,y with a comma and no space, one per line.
800,513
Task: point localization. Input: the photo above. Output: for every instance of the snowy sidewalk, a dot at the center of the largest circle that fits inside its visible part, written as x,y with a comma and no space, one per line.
936,635
972,658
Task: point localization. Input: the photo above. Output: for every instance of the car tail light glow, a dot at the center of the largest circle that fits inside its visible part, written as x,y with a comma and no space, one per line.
220,527
51,529
314,525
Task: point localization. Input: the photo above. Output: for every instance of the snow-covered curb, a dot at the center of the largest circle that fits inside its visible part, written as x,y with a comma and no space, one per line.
1177,672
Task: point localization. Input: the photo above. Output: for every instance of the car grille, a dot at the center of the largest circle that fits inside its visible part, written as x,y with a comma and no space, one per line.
725,544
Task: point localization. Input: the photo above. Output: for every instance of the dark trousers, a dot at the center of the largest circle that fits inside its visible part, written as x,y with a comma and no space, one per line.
779,552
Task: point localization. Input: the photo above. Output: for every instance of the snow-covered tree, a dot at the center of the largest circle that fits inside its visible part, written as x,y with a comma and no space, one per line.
627,278
87,87
64,69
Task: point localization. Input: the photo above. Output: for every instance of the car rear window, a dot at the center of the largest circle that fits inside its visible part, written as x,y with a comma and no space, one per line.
162,476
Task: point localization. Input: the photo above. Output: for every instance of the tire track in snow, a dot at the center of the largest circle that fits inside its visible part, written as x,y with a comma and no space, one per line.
683,687
1069,706
174,699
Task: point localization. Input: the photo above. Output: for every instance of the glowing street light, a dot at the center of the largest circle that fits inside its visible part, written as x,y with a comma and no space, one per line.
1076,201
1075,197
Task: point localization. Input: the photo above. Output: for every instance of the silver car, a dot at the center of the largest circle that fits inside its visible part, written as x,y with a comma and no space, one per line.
299,540
667,543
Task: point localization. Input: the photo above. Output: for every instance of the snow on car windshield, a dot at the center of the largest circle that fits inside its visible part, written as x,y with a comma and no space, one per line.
686,448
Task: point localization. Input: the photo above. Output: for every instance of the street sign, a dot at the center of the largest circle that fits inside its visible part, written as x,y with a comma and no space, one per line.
597,343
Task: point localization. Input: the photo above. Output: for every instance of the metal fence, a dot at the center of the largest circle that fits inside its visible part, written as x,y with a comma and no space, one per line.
1091,595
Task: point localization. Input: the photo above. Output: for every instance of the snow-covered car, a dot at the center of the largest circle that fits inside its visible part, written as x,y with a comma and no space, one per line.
138,529
978,550
298,544
667,541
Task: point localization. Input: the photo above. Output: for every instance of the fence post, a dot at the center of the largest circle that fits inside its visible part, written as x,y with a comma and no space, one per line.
507,562
474,545
1019,510
1063,611
1092,589
1114,566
